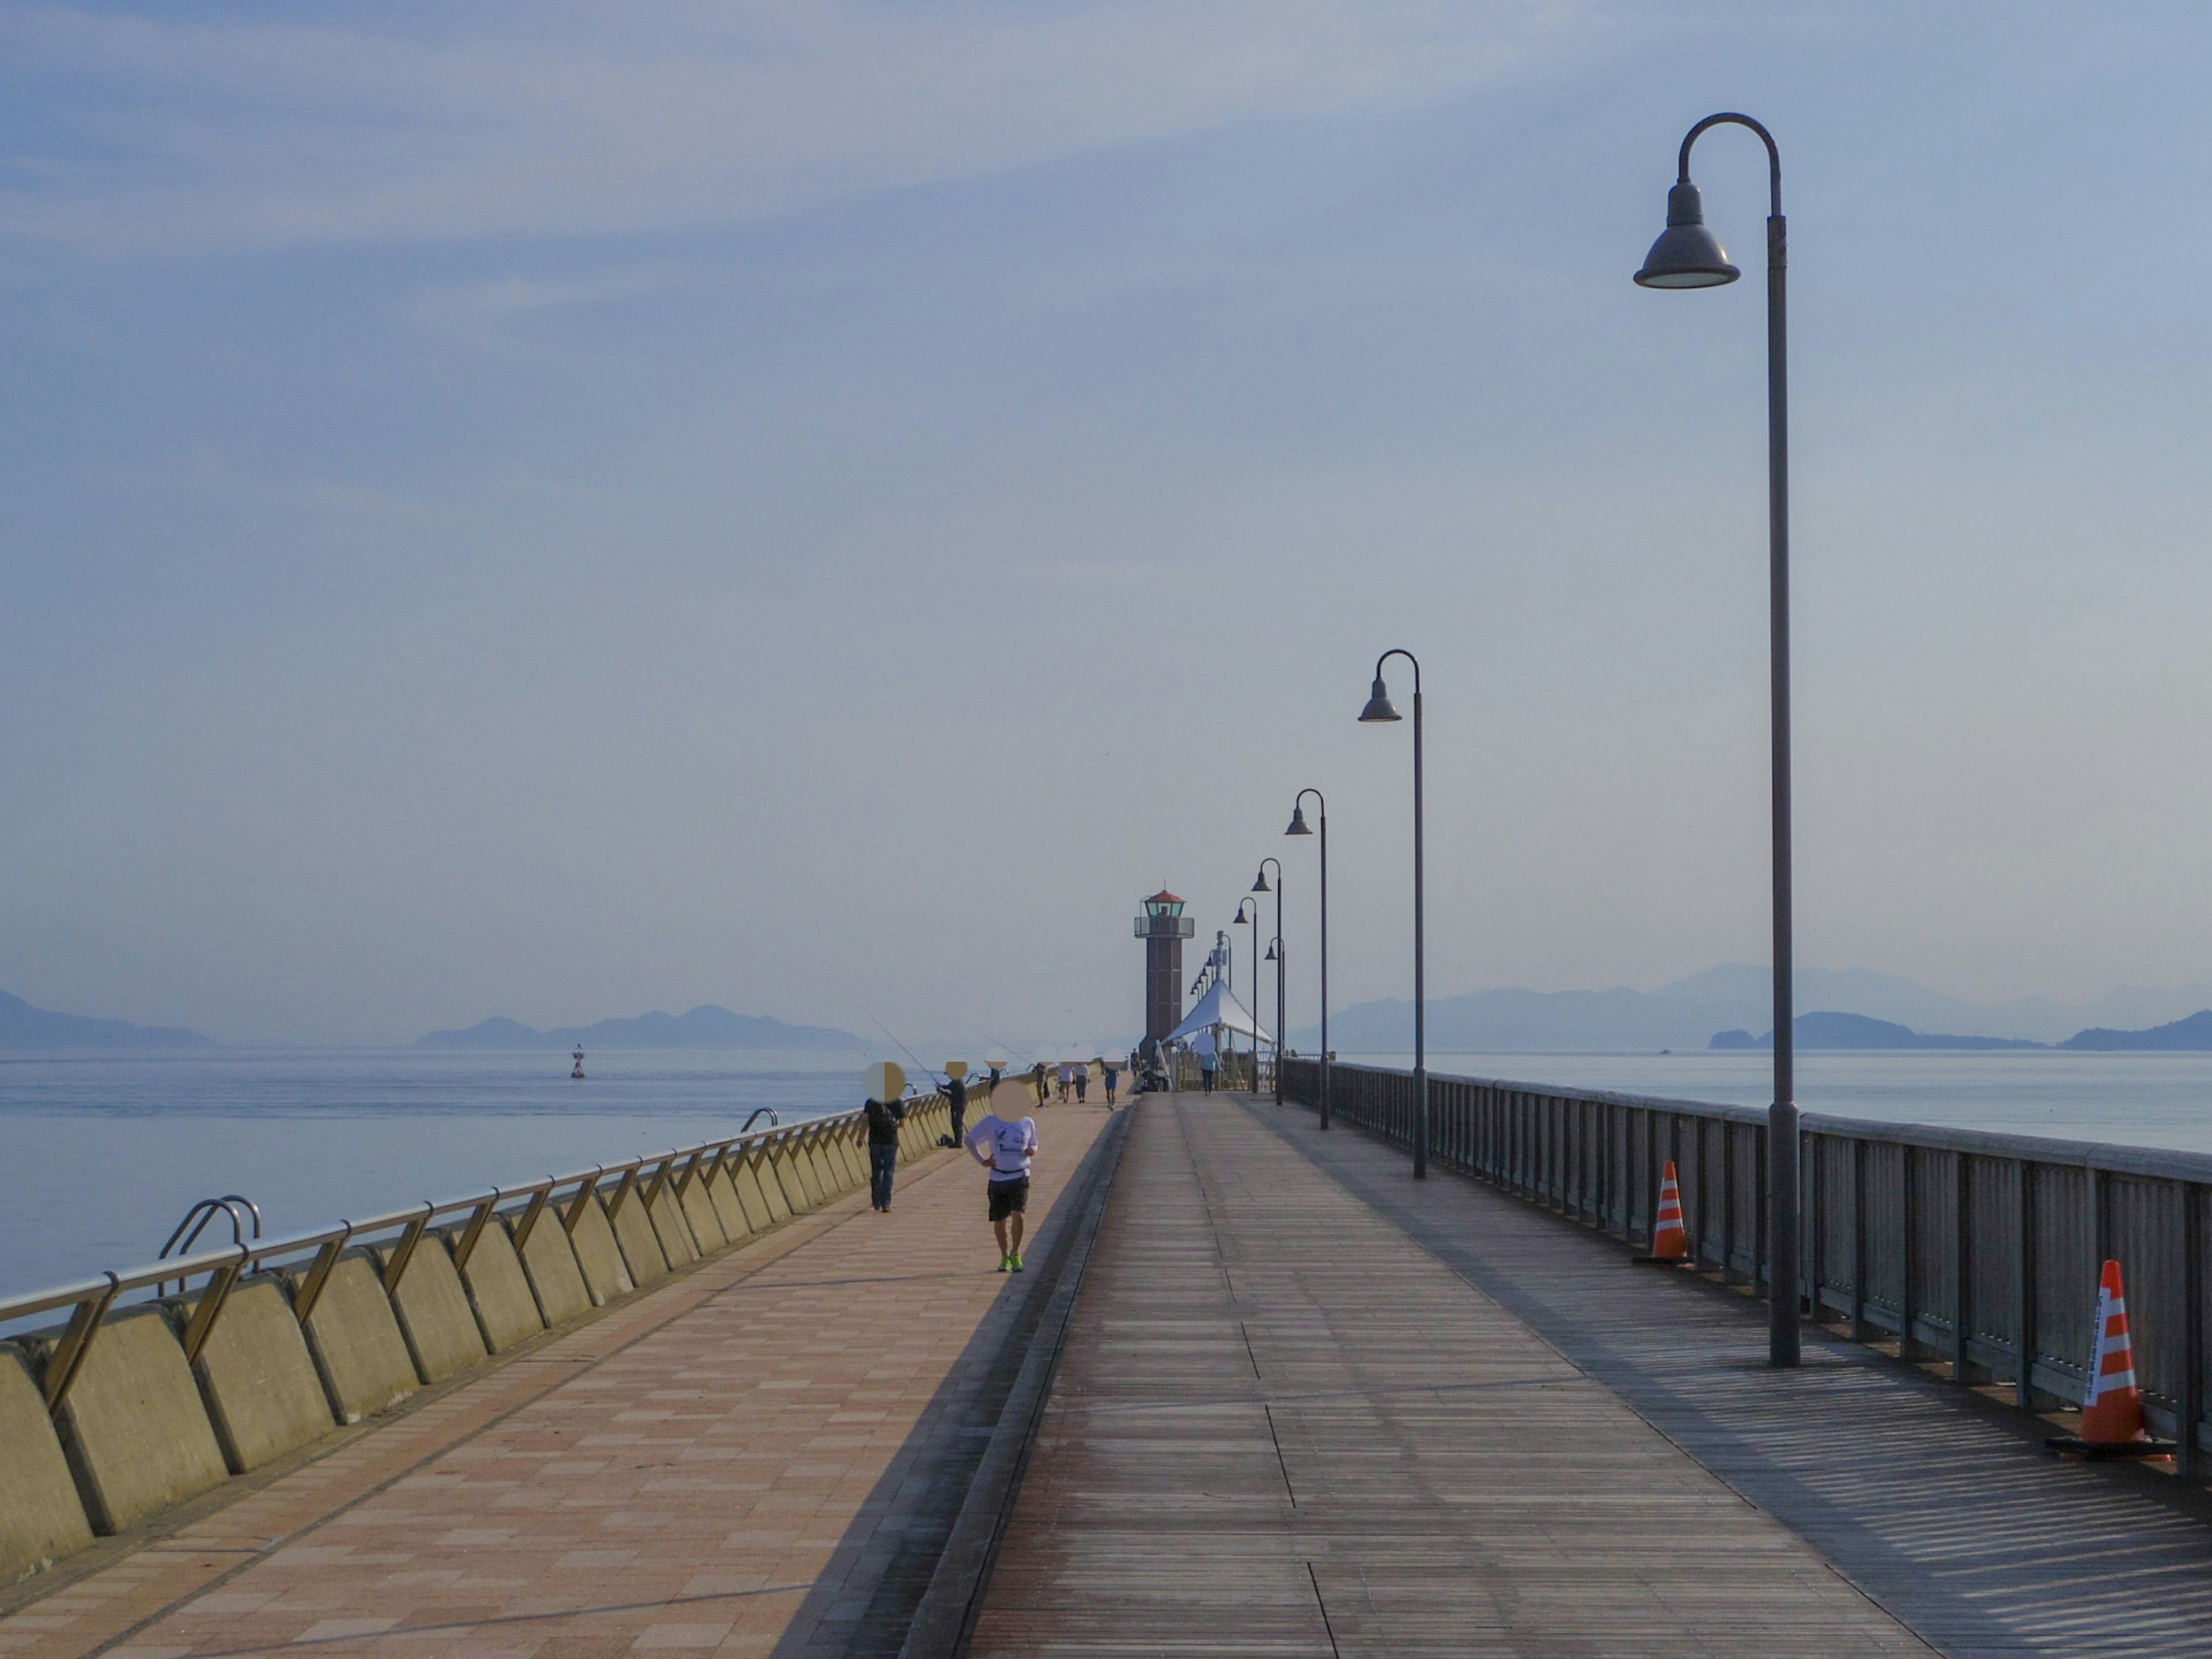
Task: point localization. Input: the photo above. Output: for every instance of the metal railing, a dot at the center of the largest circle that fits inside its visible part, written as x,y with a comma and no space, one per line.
1978,1249
311,1254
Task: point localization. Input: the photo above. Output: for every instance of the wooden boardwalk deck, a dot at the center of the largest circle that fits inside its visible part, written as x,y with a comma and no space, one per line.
1309,1406
759,1456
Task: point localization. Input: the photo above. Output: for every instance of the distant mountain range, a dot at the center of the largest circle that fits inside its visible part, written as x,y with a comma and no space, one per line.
2195,1032
22,1026
704,1027
1828,1031
1687,1013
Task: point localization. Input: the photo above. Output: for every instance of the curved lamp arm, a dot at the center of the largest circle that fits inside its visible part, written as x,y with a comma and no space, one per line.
1729,118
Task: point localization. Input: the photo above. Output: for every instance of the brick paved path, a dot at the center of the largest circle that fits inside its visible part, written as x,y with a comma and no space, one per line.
731,1463
1282,1427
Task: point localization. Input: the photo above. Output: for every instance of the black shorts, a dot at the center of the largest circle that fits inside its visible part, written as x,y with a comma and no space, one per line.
1009,1198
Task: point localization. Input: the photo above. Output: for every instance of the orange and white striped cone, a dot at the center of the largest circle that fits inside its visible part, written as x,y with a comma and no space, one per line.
1670,1240
2111,1407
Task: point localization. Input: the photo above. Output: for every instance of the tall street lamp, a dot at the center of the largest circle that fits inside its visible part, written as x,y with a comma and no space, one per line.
1687,255
1275,954
1298,828
1253,922
1381,709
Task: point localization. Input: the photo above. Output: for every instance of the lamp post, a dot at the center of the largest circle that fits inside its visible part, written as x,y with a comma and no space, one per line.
1253,922
1381,710
1687,255
1275,954
1298,828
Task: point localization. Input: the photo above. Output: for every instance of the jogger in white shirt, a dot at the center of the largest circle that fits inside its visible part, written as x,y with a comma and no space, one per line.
1011,1147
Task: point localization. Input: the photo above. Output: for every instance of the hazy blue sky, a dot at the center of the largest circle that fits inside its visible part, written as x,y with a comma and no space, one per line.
555,509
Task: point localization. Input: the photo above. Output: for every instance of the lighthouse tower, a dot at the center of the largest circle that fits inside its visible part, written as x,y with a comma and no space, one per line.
1163,928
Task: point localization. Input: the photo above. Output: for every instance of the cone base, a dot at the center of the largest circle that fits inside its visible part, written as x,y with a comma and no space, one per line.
1660,1261
2101,1450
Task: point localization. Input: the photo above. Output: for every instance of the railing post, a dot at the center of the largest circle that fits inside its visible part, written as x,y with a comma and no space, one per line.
2192,1329
1759,1256
1908,1296
2024,1286
1962,1262
1859,1331
1728,1202
1814,1208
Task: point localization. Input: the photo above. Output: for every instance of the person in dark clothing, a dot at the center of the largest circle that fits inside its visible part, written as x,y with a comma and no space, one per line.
883,1119
956,1096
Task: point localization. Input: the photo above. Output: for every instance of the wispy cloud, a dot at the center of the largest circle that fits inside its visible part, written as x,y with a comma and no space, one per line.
567,119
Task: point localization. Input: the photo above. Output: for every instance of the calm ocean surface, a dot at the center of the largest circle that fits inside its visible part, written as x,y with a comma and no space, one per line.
101,1154
2136,1100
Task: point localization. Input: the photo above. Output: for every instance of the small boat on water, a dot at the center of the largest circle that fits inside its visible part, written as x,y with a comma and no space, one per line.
577,1073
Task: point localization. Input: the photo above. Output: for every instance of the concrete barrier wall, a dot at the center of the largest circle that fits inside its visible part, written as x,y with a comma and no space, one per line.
729,1209
256,1377
142,1428
355,1337
134,1431
549,1262
498,1290
640,1251
597,1255
442,1339
41,1517
780,1168
671,1230
706,1222
758,1192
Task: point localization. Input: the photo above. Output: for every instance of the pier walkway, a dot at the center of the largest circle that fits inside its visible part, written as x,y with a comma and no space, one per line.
1303,1406
1307,1405
763,1455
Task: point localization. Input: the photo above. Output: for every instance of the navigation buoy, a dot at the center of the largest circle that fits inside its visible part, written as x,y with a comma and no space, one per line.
579,1073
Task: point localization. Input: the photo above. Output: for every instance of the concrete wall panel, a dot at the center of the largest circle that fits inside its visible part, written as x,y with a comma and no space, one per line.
355,1337
442,1338
729,1208
756,1189
549,1262
698,1206
640,1251
41,1517
780,1168
498,1290
132,1427
256,1376
598,1256
671,1231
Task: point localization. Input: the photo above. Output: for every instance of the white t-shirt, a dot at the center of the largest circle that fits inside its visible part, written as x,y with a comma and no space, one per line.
1012,1145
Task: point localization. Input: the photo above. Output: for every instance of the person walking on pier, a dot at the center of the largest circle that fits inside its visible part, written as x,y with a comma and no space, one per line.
1208,1063
883,1119
1082,1075
1037,1077
1110,1073
1010,1146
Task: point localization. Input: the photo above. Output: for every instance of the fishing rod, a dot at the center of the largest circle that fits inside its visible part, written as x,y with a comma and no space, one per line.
929,1070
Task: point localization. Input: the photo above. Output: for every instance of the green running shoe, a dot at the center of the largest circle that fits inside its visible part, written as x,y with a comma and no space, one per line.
1017,1260
1005,1264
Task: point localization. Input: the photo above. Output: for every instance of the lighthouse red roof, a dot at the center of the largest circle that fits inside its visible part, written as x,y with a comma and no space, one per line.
1164,896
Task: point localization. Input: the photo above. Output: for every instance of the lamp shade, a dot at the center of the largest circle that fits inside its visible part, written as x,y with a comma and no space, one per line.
1687,254
1379,705
1272,955
1298,821
1260,883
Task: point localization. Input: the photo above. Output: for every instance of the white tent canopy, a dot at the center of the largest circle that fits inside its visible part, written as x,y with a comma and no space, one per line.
1217,1008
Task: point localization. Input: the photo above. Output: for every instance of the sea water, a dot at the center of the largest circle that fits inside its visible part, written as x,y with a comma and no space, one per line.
2159,1100
101,1155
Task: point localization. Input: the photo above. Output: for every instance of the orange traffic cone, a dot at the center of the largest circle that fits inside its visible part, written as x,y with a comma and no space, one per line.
2111,1407
1670,1241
